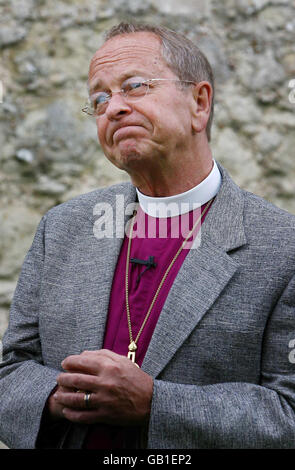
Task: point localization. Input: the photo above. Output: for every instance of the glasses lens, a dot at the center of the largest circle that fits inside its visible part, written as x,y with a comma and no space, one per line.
131,89
99,103
135,89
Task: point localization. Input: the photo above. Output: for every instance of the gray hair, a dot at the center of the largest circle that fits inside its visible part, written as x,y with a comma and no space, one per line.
180,54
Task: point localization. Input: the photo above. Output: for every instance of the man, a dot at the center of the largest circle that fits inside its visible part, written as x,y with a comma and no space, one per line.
141,342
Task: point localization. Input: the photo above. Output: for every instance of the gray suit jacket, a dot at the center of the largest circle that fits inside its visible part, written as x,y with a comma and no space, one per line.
220,354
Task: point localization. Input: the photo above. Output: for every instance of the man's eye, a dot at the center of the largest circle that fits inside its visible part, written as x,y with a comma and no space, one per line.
135,87
100,98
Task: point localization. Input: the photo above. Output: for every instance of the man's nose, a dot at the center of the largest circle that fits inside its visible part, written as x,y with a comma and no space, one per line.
117,106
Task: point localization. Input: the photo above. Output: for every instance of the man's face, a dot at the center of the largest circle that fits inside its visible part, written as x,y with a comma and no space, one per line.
154,129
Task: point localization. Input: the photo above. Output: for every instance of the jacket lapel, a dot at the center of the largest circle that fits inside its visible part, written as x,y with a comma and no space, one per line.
204,274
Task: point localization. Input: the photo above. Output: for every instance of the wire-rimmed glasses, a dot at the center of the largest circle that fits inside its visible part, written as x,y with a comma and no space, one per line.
132,89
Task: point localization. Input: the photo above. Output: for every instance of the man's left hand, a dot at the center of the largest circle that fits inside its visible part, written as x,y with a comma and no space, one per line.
120,392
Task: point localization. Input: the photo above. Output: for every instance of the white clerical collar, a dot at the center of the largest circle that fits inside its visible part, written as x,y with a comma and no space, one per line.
182,203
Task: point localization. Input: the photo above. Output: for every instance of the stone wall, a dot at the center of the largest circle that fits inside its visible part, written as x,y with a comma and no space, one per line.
49,151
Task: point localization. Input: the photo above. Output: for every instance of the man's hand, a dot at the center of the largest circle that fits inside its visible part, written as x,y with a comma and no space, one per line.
121,393
53,407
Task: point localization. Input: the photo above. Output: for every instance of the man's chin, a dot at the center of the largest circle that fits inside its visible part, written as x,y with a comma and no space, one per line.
128,152
131,158
128,160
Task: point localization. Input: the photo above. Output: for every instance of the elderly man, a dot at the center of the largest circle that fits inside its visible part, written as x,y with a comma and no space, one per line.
147,341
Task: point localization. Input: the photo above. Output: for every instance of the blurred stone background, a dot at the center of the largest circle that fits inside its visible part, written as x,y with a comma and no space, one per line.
48,147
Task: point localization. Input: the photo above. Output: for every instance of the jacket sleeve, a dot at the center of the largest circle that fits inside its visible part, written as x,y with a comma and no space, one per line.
25,383
237,414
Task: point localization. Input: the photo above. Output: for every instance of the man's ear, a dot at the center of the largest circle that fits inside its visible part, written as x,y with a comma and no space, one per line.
201,105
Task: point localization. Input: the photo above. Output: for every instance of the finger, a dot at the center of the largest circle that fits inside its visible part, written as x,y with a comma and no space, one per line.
60,389
75,400
82,363
65,389
89,361
84,417
76,381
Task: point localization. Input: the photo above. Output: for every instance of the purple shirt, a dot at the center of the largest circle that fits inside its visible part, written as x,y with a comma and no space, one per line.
160,238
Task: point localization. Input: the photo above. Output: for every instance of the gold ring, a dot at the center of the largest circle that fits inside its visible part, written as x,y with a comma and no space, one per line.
87,399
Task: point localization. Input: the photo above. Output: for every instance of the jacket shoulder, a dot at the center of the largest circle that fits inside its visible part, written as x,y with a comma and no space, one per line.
83,205
266,212
269,227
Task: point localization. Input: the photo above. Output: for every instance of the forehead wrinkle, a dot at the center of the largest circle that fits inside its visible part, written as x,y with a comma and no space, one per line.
127,49
109,55
105,61
126,46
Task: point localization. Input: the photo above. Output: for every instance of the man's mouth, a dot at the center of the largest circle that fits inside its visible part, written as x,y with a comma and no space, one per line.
125,132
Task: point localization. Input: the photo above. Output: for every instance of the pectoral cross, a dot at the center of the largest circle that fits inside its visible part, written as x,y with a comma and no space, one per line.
131,354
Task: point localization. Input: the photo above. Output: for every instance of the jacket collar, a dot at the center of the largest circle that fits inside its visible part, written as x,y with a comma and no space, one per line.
224,224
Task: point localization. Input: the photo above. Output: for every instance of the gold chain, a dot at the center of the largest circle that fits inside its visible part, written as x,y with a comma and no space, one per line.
133,342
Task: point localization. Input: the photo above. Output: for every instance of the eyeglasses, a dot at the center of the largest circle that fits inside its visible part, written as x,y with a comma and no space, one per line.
132,89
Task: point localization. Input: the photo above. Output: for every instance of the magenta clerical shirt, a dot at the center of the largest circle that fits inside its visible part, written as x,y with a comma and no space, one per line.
159,238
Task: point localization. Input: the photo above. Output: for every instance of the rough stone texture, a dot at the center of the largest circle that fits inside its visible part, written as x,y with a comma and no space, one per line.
49,150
